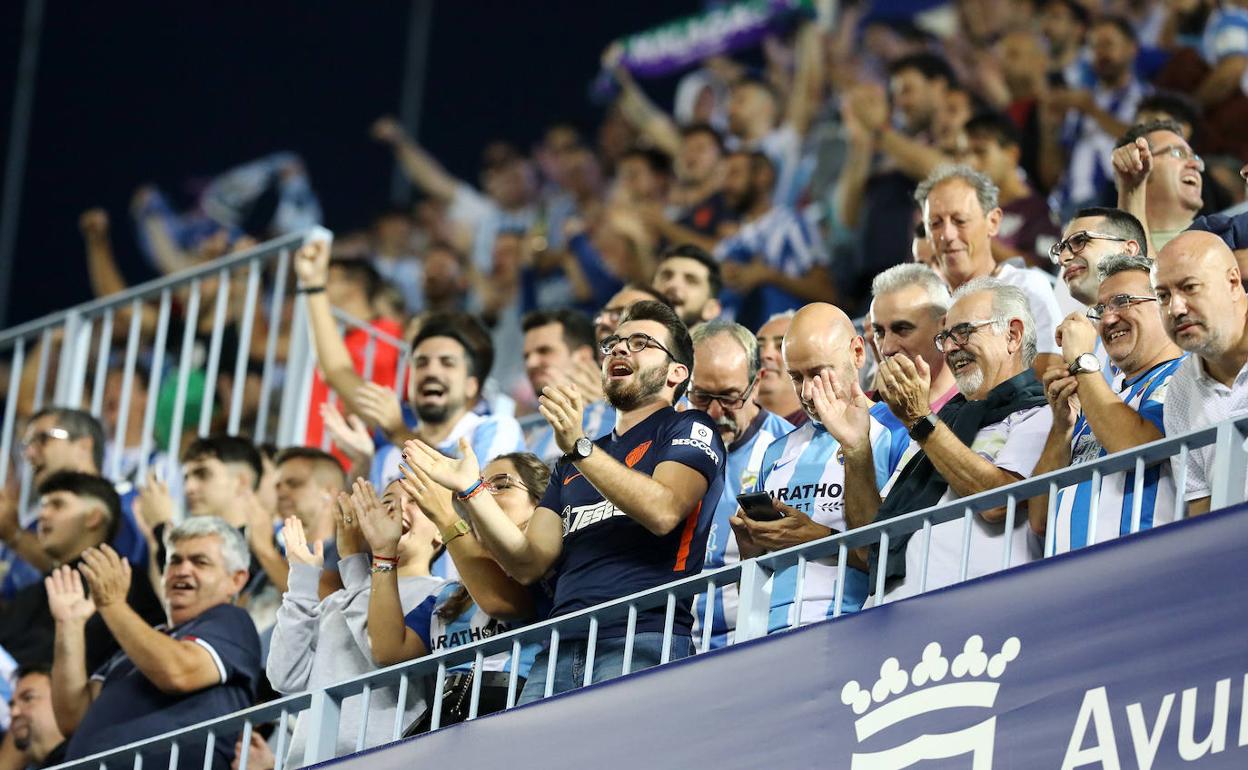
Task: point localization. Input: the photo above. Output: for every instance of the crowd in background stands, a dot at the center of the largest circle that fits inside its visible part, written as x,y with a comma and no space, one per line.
1033,203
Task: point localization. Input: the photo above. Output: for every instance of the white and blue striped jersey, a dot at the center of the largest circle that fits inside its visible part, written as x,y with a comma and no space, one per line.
745,461
472,625
806,469
489,435
787,244
597,421
1076,526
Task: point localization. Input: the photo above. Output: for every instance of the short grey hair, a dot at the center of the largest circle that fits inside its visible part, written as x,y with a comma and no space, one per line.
985,190
1008,302
1122,262
914,274
233,546
786,315
743,337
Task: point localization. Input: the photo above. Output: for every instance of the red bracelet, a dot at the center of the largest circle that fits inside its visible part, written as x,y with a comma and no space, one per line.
387,559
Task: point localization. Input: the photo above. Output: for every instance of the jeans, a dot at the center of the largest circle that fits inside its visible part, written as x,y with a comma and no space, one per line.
608,662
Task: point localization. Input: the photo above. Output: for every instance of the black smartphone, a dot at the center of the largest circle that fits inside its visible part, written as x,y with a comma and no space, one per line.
757,505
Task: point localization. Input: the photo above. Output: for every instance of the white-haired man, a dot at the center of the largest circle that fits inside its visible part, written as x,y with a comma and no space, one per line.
962,217
204,664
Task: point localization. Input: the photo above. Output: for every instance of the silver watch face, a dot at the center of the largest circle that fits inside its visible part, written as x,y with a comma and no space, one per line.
1087,362
583,446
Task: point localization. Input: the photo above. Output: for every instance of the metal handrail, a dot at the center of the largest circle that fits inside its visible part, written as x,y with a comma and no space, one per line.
1228,480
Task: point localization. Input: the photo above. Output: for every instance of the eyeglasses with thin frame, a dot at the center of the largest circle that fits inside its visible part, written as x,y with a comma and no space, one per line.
960,334
636,342
702,400
501,482
1116,303
1181,153
41,438
609,315
1077,242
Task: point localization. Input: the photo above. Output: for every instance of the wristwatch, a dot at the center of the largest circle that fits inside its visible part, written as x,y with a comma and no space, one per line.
1086,363
458,529
923,427
580,450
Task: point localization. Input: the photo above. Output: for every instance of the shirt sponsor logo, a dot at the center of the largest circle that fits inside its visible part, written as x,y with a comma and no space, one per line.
582,516
636,453
702,433
698,445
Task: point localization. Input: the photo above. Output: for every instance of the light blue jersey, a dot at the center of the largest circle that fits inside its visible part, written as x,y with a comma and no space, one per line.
806,469
598,421
745,460
471,625
1076,524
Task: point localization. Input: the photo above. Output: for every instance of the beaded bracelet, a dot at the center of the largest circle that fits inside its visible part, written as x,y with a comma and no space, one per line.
471,491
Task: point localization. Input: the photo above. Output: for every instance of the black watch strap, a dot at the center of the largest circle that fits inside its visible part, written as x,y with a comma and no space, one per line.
923,427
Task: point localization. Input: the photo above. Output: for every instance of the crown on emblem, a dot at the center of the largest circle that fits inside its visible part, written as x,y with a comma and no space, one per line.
972,662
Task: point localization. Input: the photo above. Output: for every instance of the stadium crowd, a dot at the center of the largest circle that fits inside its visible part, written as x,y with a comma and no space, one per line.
608,342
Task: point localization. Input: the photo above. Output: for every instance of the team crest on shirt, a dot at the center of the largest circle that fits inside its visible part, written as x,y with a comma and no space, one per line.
840,455
701,433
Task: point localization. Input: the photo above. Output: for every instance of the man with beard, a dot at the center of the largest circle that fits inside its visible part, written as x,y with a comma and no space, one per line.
1205,312
804,471
960,208
622,514
987,436
1091,418
703,215
1159,179
724,382
690,279
559,347
34,737
775,392
774,262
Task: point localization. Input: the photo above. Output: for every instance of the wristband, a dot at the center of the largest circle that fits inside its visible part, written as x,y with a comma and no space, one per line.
458,529
388,559
471,491
310,289
382,567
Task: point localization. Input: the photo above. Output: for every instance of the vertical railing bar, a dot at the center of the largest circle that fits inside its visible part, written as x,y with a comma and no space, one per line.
553,662
1050,527
591,649
153,382
41,379
184,377
370,354
927,552
174,751
1137,494
214,352
474,698
366,696
708,617
209,745
10,408
297,347
439,682
838,591
881,575
127,389
799,590
513,676
630,633
967,522
400,708
277,301
1180,484
304,398
1094,507
282,732
137,762
1011,507
66,358
244,347
101,364
79,355
245,744
400,369
669,621
332,400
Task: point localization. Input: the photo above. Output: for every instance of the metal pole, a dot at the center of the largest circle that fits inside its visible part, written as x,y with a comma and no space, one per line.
412,94
19,134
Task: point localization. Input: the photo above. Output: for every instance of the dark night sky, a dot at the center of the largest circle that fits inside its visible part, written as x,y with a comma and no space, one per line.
165,92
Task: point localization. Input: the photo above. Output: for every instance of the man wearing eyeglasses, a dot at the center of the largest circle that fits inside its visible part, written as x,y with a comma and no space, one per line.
1092,418
1205,311
725,379
622,514
1159,179
804,471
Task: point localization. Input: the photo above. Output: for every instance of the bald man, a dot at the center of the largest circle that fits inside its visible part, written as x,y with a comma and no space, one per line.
804,471
1201,296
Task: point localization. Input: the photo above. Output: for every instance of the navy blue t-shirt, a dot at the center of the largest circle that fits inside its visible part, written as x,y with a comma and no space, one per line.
606,554
131,708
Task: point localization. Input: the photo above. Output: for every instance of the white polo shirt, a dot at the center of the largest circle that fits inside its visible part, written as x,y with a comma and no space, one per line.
1039,290
1196,400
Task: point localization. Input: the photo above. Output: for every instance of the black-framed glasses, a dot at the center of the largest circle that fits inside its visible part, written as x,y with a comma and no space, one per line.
501,482
1116,303
960,334
702,400
1077,242
41,438
637,342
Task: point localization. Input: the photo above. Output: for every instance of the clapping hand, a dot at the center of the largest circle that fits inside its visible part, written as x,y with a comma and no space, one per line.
67,601
1061,390
381,524
379,406
906,387
349,434
297,548
455,475
432,498
107,574
154,503
844,414
564,409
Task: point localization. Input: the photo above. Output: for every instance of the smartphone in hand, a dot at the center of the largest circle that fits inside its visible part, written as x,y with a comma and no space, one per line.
758,506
